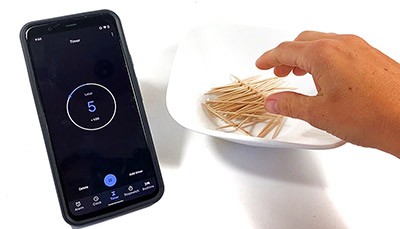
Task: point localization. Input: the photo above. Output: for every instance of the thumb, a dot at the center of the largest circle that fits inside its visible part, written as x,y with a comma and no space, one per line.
290,104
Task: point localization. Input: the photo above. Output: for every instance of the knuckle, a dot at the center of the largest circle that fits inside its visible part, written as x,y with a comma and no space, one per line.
283,44
305,33
287,108
300,108
325,50
324,47
351,38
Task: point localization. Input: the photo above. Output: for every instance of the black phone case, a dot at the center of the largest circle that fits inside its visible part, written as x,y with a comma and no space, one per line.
45,130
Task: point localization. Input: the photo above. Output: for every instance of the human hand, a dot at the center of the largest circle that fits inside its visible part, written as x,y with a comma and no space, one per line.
358,88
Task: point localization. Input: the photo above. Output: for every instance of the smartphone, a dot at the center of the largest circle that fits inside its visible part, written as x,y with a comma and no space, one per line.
92,116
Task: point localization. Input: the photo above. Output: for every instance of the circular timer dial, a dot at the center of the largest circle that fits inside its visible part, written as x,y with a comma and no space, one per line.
91,106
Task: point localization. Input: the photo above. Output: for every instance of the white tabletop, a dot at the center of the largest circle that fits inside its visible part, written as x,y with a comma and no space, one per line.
209,183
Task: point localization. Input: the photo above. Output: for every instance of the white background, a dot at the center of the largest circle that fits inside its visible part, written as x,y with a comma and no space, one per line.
209,183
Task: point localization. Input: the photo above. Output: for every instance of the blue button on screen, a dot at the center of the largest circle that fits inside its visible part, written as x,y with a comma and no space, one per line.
110,180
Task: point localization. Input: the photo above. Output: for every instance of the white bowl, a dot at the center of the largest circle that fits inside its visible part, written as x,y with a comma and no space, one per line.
207,57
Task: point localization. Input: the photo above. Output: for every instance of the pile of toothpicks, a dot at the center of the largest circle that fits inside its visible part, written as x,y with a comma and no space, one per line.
240,106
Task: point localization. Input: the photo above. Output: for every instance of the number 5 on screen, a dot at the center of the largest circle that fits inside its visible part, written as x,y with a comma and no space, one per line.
92,108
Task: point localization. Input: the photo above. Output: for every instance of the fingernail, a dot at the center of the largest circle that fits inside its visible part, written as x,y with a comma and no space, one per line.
271,105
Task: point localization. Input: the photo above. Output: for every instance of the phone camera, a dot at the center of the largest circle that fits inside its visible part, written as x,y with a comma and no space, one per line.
52,27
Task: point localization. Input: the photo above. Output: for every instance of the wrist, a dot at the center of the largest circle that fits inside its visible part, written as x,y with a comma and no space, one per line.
390,131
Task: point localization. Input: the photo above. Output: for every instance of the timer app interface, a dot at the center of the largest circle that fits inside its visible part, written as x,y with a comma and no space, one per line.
95,128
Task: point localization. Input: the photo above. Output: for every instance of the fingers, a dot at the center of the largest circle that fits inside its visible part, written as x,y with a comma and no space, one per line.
282,70
293,105
299,57
299,71
290,56
287,53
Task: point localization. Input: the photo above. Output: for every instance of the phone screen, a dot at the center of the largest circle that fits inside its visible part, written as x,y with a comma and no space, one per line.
101,149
